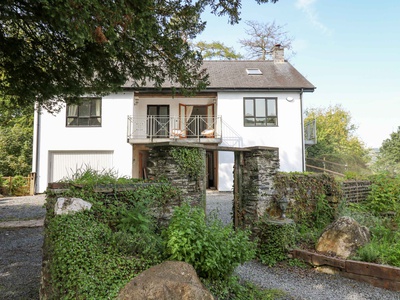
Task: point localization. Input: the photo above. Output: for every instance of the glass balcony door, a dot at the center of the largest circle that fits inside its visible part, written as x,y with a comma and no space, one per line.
158,121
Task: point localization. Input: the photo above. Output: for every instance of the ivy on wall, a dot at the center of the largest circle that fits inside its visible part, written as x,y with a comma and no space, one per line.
304,191
190,161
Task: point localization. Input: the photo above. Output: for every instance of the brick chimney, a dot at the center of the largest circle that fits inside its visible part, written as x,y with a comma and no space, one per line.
278,54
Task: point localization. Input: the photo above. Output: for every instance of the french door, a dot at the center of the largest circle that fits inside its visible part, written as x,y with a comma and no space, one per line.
158,121
196,119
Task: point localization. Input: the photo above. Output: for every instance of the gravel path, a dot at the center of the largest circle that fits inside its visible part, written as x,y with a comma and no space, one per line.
21,247
299,283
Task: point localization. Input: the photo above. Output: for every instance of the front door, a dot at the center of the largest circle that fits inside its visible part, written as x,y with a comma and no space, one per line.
158,121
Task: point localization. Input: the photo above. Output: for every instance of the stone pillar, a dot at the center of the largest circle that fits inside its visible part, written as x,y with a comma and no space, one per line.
259,167
161,164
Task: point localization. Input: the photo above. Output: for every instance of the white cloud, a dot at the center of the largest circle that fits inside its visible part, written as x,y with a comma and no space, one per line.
307,7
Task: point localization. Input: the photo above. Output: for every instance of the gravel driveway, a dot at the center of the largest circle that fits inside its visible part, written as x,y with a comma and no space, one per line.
21,247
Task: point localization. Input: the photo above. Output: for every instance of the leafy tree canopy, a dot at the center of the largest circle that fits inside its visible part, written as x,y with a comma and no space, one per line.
336,139
216,50
58,50
388,159
16,135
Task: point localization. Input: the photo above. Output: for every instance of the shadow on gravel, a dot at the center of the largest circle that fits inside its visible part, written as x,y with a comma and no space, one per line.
20,263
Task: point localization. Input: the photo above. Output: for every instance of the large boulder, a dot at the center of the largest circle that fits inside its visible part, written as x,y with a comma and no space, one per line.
70,205
343,237
171,280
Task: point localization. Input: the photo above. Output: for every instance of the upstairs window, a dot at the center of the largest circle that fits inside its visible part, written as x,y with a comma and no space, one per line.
86,114
260,112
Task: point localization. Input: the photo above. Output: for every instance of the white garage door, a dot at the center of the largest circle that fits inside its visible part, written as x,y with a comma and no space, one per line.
64,164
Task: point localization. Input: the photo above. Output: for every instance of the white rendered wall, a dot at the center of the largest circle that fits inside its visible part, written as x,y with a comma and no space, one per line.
287,136
111,136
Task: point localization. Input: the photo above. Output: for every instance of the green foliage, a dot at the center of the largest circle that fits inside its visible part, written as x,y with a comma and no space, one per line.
83,264
16,136
337,141
323,213
190,161
93,254
231,288
385,194
216,50
388,159
59,50
212,249
305,190
384,247
274,241
19,186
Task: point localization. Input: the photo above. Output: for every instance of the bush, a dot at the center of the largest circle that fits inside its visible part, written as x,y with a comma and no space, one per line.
83,263
213,249
275,240
19,186
385,194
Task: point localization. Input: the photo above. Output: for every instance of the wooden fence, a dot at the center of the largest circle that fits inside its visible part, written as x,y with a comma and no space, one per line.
18,185
356,190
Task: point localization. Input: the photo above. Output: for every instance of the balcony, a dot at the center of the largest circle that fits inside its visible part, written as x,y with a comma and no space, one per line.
310,133
159,129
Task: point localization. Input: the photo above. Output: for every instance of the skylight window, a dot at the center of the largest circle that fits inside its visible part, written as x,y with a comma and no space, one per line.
253,71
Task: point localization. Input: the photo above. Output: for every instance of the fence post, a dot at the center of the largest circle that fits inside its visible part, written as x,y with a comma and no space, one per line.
32,183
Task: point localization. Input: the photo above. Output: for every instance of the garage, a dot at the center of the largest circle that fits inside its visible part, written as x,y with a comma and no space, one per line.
64,164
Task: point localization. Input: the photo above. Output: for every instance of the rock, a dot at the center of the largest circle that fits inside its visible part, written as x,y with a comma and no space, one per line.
70,205
343,237
171,280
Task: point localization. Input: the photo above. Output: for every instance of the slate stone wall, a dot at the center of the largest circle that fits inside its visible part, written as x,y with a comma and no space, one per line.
161,164
259,167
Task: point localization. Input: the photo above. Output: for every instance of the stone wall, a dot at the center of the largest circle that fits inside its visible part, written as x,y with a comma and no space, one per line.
259,166
161,164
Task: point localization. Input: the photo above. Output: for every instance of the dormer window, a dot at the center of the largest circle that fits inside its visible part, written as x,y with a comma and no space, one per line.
253,71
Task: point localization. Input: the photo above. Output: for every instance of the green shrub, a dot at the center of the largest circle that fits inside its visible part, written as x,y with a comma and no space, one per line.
385,194
213,249
83,263
19,186
274,241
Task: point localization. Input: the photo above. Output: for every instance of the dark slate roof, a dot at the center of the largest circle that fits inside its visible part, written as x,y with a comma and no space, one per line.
232,75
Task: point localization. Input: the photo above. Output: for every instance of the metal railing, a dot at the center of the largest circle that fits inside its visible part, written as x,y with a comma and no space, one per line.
172,127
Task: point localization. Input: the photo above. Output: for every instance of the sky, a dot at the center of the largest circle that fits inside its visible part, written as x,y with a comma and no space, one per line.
349,50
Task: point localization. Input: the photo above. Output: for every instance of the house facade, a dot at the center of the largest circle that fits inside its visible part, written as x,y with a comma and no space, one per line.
248,103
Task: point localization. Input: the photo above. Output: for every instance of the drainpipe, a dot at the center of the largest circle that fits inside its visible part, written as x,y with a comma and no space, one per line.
303,146
36,146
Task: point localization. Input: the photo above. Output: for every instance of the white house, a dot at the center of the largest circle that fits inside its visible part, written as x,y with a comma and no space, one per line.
248,103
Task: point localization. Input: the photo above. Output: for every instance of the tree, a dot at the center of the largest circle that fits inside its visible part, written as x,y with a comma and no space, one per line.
57,50
262,37
216,50
336,139
16,135
388,159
